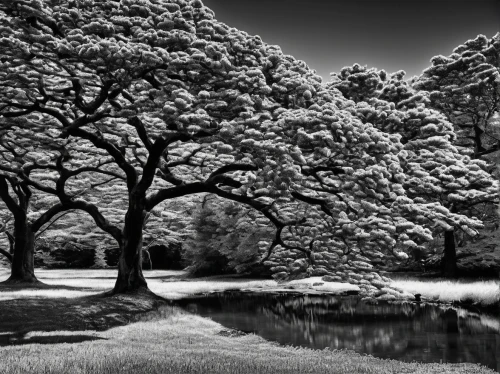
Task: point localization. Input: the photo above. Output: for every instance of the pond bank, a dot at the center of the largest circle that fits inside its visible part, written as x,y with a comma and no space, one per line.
403,331
169,340
174,285
480,294
165,340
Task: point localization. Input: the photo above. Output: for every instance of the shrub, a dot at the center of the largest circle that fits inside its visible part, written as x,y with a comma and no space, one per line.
167,257
225,239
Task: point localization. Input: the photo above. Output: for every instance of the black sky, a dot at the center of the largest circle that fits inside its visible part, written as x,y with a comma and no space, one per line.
387,34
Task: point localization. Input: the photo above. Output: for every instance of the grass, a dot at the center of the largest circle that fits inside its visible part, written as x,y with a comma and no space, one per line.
24,315
172,341
58,332
484,293
172,285
175,285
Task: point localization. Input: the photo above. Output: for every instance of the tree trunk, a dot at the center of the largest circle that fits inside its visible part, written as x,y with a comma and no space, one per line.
23,261
130,278
449,260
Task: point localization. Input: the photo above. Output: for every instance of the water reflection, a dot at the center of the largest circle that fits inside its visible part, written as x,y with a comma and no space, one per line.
407,332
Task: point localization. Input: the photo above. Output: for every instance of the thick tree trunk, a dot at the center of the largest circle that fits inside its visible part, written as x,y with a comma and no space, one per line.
130,278
449,260
23,261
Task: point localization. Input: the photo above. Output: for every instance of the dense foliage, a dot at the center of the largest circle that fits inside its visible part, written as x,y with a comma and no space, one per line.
434,169
465,86
151,103
225,239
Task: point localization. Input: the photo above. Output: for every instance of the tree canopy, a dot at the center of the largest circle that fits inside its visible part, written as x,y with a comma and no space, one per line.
465,86
171,102
435,171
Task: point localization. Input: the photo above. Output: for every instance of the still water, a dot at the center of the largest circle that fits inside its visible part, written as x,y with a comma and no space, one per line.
406,332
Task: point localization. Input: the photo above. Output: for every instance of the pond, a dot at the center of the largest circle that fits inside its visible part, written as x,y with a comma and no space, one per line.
404,331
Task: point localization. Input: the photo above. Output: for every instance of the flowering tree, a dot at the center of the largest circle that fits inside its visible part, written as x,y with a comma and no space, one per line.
434,170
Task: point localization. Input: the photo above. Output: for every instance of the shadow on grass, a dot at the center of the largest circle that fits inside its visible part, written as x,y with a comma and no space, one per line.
21,339
6,286
96,312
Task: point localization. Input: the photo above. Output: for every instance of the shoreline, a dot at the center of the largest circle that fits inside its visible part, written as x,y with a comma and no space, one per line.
122,326
166,339
175,285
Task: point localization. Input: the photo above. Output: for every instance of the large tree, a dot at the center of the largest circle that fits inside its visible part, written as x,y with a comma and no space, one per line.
154,86
184,104
434,169
465,87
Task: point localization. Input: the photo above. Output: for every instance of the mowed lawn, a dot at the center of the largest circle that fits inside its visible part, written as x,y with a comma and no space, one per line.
67,330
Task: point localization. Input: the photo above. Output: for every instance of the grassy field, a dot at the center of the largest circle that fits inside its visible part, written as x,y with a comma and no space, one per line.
72,329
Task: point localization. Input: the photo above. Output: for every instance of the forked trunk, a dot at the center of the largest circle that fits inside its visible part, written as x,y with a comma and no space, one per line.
449,260
130,278
23,261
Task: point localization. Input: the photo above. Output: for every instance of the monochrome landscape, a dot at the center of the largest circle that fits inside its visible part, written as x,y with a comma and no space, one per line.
180,195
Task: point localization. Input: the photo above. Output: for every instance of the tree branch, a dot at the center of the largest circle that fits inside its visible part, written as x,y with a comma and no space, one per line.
141,131
155,154
233,167
8,200
50,224
114,152
7,255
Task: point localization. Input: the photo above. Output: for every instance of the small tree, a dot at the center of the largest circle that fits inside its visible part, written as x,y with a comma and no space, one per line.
225,238
25,167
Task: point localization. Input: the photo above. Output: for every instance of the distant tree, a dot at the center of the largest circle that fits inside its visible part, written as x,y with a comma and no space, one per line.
434,169
31,161
465,86
8,239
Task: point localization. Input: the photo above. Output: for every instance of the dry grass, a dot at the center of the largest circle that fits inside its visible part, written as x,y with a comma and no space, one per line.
483,292
172,341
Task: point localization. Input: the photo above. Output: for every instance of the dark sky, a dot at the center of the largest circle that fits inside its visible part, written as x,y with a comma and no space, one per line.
387,34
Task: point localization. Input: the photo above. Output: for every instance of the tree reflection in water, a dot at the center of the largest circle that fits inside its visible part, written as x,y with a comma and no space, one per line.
404,331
